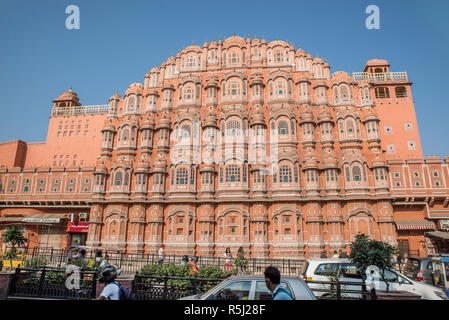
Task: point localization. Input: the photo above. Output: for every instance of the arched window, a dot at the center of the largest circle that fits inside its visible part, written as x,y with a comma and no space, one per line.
232,173
344,93
126,180
181,176
131,103
118,178
336,94
185,131
191,62
283,127
233,128
285,173
350,126
280,88
356,173
188,93
125,134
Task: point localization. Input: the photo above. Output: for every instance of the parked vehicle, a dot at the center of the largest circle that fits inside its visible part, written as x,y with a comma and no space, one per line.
419,269
322,269
441,273
253,287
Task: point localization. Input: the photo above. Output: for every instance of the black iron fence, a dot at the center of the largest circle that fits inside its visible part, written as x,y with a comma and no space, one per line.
51,284
338,290
147,287
130,263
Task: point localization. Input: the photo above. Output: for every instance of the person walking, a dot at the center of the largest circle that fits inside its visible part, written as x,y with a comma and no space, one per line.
335,255
111,291
399,261
228,259
161,254
273,282
105,262
323,254
193,262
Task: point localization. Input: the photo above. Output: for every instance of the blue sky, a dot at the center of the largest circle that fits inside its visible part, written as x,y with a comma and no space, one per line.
119,41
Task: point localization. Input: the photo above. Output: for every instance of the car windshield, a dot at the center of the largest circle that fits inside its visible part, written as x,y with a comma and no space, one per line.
211,289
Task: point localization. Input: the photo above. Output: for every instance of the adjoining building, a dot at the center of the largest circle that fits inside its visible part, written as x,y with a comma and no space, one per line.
236,143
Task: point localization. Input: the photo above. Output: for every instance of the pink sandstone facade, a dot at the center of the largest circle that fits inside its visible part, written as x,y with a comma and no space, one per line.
236,143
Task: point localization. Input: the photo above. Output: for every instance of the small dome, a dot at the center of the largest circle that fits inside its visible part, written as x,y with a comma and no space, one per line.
341,76
134,88
306,115
377,62
68,95
378,162
320,83
370,115
325,116
330,162
115,96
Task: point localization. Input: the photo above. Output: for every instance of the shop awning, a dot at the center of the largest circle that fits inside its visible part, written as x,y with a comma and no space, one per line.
44,218
414,225
438,234
35,218
11,218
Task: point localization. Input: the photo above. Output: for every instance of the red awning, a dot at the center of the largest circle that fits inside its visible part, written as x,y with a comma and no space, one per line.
414,225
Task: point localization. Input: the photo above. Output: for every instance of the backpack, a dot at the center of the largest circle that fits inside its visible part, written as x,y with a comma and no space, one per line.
124,292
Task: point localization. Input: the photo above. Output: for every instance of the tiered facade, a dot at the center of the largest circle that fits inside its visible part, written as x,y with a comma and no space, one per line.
245,143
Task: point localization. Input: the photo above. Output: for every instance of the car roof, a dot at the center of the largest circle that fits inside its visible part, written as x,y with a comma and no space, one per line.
259,276
328,260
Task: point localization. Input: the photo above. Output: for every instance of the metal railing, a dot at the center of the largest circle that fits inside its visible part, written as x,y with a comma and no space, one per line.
147,287
338,290
380,77
76,110
130,263
51,284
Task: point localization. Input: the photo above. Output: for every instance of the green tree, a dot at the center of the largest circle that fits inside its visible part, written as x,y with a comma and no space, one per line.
13,238
366,252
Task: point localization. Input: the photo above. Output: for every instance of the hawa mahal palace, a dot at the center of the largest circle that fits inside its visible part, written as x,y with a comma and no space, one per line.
236,143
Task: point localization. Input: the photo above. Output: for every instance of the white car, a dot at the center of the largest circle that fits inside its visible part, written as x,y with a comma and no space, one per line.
322,269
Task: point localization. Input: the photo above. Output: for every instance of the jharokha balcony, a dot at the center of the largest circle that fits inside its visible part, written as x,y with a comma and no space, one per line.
380,77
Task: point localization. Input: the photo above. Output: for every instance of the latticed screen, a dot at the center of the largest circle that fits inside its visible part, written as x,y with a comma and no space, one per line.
233,128
181,176
232,173
283,127
285,174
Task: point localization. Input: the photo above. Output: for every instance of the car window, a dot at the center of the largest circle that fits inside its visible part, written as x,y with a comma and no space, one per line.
403,280
438,274
263,293
446,270
350,271
236,290
390,276
327,269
